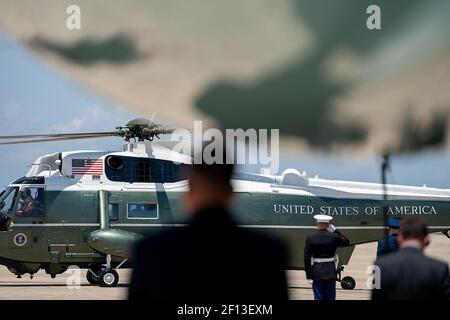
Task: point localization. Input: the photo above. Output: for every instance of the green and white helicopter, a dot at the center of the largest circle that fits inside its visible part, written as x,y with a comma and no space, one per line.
88,208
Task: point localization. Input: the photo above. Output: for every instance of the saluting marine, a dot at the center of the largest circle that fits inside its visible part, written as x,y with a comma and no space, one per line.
321,260
390,244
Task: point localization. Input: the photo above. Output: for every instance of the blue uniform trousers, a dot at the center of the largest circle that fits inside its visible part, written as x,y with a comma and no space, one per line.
324,289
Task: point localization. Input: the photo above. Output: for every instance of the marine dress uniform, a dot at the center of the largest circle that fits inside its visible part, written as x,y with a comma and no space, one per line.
321,260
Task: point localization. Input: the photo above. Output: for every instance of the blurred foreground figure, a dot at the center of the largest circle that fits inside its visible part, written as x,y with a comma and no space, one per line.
211,259
320,257
390,244
408,274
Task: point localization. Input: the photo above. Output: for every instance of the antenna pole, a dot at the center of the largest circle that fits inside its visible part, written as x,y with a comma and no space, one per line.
384,168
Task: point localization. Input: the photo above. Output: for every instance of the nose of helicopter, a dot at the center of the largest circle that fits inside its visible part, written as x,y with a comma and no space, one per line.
5,222
5,235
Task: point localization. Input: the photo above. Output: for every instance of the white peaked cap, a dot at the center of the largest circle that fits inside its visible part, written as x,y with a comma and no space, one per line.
323,218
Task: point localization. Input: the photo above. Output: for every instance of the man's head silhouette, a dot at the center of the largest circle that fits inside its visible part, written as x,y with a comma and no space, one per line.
209,183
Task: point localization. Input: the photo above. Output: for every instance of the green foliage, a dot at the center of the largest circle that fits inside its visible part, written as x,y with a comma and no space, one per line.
115,49
416,135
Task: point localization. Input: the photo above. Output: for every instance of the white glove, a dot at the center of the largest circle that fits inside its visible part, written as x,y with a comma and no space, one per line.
309,281
331,228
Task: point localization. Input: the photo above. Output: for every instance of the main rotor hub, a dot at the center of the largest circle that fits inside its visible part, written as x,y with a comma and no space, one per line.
141,129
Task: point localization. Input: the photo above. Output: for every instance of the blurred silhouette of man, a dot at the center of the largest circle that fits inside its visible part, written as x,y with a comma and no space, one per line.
408,274
211,259
390,244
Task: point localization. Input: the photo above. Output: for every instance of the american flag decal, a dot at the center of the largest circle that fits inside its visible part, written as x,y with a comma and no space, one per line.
92,167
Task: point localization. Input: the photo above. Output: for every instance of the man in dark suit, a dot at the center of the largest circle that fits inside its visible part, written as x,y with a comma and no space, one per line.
408,274
321,258
211,259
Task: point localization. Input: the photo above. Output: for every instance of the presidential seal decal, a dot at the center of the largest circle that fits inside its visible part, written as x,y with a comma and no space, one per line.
20,239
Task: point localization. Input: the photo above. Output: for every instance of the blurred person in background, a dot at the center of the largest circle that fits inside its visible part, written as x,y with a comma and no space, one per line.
409,274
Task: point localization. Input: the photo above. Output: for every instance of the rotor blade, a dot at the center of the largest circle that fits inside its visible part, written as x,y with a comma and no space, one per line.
58,139
60,135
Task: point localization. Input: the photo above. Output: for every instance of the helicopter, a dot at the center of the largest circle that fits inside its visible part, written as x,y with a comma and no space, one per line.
89,207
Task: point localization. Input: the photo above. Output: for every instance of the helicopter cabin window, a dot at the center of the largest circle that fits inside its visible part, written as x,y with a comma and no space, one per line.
142,211
150,170
31,202
113,211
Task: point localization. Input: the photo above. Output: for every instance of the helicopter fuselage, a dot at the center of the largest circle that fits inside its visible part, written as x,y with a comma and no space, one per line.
93,204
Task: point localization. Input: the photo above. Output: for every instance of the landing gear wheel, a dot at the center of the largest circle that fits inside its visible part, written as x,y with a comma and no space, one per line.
92,274
348,283
108,278
91,278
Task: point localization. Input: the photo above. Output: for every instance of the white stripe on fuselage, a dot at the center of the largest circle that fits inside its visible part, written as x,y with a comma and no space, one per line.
262,226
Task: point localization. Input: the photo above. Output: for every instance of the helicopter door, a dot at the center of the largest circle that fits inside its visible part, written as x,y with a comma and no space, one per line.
89,206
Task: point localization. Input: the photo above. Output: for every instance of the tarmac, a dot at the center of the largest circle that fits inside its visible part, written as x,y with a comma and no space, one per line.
42,287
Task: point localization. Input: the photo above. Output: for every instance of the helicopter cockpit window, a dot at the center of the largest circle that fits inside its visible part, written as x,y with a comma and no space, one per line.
31,202
8,200
142,211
